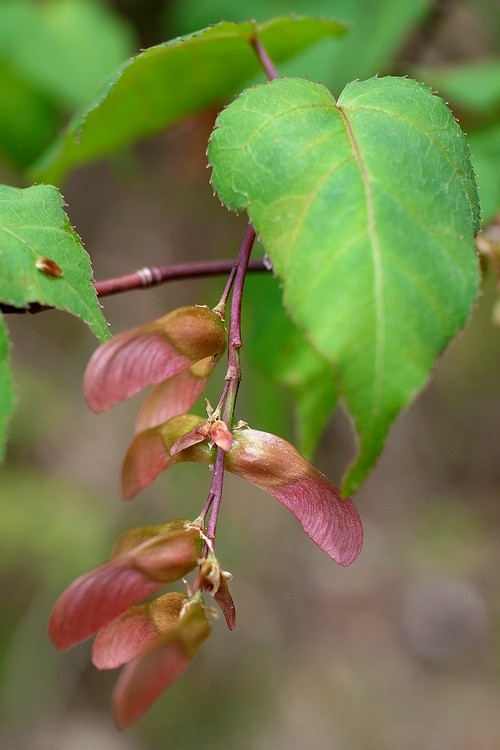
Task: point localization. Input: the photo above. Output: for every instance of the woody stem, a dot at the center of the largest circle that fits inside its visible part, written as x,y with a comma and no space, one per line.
216,493
233,373
236,281
264,59
154,275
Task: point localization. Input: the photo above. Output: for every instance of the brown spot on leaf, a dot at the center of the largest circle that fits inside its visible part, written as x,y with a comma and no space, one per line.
50,267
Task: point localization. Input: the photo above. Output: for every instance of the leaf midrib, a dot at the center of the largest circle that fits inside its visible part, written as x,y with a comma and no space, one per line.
428,134
380,322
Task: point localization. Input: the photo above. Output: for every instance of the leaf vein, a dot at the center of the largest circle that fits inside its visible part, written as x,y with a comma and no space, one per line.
380,323
428,133
311,197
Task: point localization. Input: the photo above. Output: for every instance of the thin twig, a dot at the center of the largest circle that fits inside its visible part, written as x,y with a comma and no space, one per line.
233,374
147,277
152,276
216,493
264,59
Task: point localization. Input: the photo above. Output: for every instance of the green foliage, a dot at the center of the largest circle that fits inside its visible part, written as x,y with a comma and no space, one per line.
485,148
164,84
378,276
287,359
376,31
73,45
473,90
33,230
28,119
53,55
382,354
368,210
34,226
472,86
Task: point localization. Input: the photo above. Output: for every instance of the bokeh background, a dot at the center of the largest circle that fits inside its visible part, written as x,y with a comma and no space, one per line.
402,650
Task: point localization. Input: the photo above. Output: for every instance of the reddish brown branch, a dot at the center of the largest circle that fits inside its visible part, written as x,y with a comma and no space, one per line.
146,277
264,59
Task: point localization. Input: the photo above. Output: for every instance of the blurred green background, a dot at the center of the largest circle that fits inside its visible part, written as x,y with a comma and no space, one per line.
402,650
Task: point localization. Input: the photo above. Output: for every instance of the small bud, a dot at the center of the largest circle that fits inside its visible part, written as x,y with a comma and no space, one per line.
214,580
199,433
225,601
220,434
214,429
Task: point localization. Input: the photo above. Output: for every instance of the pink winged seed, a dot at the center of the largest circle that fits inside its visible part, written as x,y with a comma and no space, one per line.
122,367
144,678
268,462
149,354
149,453
95,599
168,557
170,398
271,463
123,639
132,538
146,457
107,591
